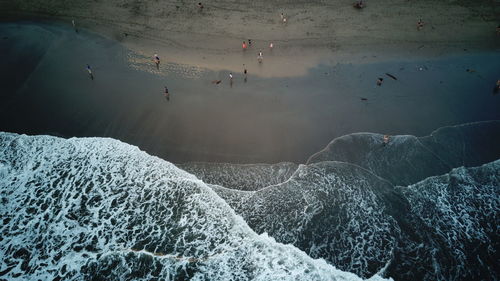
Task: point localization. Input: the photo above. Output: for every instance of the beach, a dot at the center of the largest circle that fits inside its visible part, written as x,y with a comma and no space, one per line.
316,84
265,119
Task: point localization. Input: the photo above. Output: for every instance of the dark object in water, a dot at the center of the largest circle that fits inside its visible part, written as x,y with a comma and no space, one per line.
379,81
364,99
392,76
216,81
470,70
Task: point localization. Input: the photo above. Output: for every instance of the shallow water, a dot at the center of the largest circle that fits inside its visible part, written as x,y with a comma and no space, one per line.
262,120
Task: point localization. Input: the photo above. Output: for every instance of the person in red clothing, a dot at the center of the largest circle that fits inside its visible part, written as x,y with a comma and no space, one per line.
244,45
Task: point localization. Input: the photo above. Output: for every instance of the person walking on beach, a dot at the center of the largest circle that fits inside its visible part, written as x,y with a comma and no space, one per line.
156,59
166,94
271,46
244,45
260,57
200,7
249,42
89,70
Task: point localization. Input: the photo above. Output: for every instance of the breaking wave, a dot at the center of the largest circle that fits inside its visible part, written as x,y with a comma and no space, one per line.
413,209
90,209
345,205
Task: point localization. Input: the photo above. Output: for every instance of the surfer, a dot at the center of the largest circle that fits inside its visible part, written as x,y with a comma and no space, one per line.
89,70
167,95
385,140
156,59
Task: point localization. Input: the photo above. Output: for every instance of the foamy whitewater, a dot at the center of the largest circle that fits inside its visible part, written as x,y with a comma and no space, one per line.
94,208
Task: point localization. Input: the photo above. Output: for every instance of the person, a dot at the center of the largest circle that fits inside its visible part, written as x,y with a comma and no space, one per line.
420,24
200,6
167,95
230,76
498,29
271,46
284,20
359,4
244,45
385,140
156,59
245,73
497,87
282,16
260,57
249,42
89,70
74,26
379,81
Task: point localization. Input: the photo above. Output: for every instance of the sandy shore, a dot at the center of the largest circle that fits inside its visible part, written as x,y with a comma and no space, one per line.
315,31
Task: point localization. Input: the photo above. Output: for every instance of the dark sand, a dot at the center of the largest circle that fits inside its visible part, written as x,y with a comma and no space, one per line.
46,90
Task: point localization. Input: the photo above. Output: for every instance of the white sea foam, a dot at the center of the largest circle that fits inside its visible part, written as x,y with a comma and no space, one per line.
98,208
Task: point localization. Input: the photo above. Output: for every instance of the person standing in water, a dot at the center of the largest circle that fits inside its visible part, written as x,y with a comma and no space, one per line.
156,59
89,70
74,26
167,95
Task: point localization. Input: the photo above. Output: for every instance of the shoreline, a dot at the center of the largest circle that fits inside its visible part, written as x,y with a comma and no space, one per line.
263,120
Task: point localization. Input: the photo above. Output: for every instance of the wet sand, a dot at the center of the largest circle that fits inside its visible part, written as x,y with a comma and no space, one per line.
266,119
